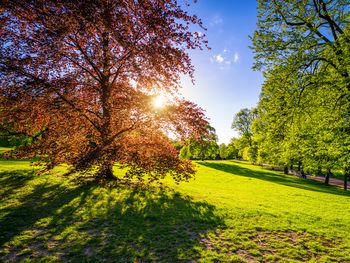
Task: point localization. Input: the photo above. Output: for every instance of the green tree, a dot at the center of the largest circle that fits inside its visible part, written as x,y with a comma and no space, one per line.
232,150
303,49
242,123
205,147
223,151
300,31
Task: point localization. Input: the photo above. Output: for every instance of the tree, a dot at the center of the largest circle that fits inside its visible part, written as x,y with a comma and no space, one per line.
228,151
83,75
242,123
223,151
306,131
205,147
300,31
303,49
232,150
311,38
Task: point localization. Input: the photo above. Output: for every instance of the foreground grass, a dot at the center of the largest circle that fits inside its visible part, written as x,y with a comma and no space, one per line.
232,212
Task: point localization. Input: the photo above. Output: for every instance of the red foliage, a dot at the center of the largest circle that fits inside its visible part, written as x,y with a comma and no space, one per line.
78,75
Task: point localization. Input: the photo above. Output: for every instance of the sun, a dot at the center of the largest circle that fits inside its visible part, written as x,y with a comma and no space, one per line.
159,101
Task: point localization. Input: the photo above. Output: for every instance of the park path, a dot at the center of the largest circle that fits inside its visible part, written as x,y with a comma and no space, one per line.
332,181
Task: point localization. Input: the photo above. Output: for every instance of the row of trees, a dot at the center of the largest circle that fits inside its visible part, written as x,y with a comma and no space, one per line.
207,147
303,117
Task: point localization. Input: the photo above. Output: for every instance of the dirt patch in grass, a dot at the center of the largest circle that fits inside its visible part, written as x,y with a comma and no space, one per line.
270,246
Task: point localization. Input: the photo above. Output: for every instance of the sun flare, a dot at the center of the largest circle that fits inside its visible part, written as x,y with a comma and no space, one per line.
159,101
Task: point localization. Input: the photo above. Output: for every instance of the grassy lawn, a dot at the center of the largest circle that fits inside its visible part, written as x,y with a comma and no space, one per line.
231,212
4,149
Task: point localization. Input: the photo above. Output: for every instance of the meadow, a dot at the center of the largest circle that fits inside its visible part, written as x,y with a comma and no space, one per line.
231,212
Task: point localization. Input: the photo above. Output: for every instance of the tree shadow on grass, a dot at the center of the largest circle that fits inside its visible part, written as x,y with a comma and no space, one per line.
13,180
91,223
29,204
275,177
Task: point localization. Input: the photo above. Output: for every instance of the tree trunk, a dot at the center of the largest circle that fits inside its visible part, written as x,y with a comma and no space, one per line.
346,177
328,175
303,175
301,170
285,170
106,172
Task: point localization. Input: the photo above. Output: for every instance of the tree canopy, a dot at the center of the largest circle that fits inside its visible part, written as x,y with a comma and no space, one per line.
242,123
203,147
82,76
303,50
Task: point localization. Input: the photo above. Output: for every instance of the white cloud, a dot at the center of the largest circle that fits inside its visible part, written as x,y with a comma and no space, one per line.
225,58
235,57
219,58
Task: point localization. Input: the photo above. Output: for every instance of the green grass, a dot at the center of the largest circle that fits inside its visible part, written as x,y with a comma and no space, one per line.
5,149
231,212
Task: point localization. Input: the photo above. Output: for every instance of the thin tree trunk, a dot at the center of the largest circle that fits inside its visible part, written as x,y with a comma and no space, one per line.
346,177
301,170
328,175
285,170
303,175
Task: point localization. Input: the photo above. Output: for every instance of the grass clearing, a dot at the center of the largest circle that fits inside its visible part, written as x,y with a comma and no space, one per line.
231,212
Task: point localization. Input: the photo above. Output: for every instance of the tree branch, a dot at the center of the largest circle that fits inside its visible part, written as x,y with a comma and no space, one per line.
88,59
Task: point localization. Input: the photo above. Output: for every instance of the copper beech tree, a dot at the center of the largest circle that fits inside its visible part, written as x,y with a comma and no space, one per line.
79,76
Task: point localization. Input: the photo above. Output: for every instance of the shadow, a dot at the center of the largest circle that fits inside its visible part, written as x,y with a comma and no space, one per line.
41,201
91,223
13,180
275,177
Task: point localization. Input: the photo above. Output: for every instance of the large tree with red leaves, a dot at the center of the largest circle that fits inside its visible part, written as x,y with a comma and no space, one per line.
79,76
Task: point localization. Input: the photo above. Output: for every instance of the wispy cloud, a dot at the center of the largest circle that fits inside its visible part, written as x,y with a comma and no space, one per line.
216,20
225,58
235,57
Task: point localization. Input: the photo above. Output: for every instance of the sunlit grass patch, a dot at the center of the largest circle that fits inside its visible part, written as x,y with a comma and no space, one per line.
231,212
49,217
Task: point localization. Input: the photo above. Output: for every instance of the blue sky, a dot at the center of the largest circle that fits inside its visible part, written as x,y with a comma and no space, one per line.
224,80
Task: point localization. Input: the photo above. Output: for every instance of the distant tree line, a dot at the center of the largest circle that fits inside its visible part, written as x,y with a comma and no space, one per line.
207,147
